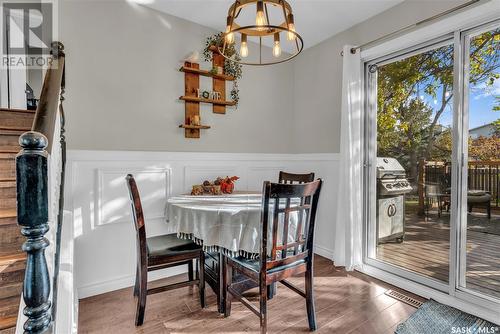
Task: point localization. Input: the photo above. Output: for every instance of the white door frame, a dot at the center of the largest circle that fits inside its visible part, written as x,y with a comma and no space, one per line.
370,166
462,114
454,292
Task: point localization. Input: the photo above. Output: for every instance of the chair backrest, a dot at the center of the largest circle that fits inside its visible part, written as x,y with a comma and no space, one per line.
290,178
288,216
138,216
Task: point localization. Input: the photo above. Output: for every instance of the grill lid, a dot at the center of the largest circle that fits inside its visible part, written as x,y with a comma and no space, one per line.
389,167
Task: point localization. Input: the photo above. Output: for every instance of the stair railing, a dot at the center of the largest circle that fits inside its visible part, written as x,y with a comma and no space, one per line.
40,169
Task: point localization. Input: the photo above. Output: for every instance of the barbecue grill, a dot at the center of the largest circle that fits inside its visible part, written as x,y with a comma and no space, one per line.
392,185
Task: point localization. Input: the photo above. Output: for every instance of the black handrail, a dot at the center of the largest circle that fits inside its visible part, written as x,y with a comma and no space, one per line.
33,193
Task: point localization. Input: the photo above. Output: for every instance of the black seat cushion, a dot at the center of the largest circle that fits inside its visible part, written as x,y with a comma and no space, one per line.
169,244
254,264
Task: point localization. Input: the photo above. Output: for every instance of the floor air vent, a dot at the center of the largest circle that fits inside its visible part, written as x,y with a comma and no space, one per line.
404,298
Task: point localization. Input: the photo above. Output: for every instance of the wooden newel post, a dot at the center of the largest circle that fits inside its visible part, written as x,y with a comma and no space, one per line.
32,216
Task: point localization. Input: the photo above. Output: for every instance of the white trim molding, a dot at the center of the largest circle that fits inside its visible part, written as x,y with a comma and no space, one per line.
91,155
122,282
323,251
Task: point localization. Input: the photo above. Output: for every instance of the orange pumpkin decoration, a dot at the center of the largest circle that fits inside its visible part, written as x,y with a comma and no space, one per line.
227,184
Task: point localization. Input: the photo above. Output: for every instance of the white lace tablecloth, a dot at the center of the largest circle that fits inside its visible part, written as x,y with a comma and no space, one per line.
230,223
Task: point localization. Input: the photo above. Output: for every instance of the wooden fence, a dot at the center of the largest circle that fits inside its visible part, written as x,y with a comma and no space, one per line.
485,175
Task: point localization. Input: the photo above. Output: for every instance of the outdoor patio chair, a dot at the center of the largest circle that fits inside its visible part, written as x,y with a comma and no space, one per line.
434,193
479,198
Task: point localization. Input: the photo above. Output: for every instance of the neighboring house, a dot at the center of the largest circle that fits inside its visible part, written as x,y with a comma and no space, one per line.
486,130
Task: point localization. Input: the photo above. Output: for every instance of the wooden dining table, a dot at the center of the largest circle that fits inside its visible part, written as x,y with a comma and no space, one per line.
225,225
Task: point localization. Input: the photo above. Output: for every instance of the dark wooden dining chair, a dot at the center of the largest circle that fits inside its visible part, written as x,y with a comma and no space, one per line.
280,202
161,252
290,178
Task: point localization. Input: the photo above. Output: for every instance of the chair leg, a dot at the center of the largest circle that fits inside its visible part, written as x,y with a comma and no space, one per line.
190,270
141,300
196,266
220,283
263,306
226,282
200,274
136,284
426,209
311,313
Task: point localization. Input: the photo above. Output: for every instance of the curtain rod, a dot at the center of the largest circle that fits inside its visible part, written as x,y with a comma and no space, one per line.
416,25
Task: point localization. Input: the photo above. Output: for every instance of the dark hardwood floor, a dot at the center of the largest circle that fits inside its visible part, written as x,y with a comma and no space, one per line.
345,303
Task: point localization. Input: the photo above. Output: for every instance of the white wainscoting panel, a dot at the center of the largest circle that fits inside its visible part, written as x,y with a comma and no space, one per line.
105,250
112,199
257,174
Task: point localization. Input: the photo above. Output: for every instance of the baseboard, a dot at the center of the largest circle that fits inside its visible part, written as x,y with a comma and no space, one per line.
122,282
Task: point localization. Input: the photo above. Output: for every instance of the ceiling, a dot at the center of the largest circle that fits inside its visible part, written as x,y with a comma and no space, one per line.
315,20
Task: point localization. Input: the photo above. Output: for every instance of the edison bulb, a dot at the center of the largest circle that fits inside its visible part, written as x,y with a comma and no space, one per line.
277,49
230,38
244,50
291,26
229,34
277,46
290,35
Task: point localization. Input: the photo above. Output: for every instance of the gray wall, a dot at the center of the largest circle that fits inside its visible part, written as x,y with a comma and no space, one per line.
123,85
318,74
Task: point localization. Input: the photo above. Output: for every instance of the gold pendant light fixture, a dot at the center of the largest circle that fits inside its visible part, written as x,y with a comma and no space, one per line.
261,30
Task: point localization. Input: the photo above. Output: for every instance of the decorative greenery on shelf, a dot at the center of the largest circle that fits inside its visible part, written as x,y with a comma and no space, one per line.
213,70
230,68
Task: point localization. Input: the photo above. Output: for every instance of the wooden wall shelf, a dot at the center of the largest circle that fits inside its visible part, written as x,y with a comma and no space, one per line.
206,73
192,73
199,99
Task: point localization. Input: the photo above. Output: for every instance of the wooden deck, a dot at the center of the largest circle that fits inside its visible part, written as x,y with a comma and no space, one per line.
426,251
345,303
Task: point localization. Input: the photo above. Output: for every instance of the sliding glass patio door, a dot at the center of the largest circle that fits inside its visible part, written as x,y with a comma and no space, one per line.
432,163
411,118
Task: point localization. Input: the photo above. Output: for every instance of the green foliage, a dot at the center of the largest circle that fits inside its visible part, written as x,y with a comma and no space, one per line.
230,67
485,148
496,107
